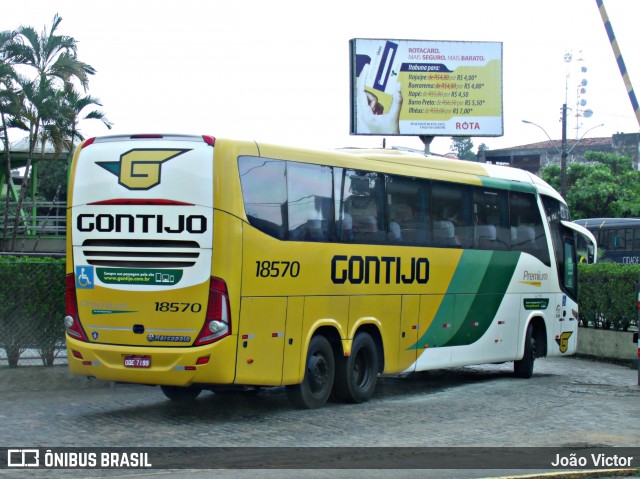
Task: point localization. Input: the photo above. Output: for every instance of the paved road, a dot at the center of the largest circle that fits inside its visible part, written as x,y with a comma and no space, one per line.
569,402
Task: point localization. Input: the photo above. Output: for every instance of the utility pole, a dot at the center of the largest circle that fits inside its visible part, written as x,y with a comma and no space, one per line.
563,154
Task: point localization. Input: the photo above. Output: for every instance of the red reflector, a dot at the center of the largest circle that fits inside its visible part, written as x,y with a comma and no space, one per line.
203,360
77,354
189,368
86,363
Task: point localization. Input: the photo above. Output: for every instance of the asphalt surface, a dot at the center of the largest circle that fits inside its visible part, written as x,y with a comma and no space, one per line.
569,402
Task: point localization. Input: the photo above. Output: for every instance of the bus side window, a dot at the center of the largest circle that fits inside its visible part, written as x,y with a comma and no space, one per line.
406,210
264,191
527,231
452,215
309,201
359,211
491,219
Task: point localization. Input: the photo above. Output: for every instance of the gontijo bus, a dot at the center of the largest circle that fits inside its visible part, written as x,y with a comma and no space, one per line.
196,262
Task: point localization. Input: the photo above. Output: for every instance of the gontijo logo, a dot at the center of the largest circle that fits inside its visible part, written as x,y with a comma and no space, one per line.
139,169
563,341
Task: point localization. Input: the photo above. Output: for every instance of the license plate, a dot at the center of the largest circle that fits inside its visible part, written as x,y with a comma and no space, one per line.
137,361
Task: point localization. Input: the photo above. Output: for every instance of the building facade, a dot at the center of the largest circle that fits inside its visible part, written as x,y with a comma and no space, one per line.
534,157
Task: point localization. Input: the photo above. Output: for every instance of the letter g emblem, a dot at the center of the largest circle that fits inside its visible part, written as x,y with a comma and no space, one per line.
139,169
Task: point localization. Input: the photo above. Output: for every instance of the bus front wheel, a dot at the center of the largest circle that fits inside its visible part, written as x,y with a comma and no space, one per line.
523,368
177,393
319,373
357,374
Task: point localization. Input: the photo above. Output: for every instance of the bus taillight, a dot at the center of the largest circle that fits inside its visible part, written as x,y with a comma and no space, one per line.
71,320
217,323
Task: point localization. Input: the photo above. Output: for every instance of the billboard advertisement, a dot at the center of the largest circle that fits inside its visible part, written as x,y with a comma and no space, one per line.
426,88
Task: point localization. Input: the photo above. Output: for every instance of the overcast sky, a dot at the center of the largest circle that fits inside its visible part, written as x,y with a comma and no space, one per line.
278,71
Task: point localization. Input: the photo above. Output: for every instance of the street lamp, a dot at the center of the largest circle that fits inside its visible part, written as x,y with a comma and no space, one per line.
563,150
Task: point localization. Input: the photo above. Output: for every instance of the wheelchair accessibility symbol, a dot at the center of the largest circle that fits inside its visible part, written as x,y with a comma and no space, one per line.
84,277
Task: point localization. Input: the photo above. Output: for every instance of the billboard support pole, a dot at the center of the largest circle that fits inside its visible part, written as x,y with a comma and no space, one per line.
427,139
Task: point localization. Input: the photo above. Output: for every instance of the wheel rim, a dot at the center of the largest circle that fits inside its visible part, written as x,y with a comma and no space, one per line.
361,372
318,373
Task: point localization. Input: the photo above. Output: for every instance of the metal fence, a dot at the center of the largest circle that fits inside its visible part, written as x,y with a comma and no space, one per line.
31,310
40,218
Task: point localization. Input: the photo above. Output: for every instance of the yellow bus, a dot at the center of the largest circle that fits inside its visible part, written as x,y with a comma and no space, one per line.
197,262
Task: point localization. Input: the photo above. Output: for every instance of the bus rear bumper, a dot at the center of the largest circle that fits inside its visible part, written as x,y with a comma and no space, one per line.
164,366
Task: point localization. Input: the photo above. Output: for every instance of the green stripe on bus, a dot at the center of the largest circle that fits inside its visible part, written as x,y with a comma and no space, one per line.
501,184
472,299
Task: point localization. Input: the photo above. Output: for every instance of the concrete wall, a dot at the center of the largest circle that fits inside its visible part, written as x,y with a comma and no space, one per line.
602,343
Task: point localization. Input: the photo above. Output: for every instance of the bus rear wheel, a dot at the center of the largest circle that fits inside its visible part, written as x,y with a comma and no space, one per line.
357,374
181,394
523,368
319,373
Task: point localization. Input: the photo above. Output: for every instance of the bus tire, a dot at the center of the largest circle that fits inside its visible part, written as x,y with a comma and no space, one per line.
315,388
181,394
523,368
357,374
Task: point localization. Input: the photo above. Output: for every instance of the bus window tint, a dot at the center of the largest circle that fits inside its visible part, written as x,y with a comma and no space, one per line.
527,232
451,210
362,206
408,210
492,220
309,201
264,190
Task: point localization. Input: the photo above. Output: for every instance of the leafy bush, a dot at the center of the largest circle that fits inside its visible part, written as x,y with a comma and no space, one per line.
607,295
31,306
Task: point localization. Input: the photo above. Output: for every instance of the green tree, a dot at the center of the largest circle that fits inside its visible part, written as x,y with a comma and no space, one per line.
54,60
63,132
605,186
463,146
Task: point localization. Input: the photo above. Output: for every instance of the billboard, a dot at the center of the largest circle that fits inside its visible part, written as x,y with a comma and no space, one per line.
426,88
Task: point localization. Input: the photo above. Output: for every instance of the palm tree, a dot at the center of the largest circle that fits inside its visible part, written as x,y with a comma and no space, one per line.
10,110
77,105
54,58
62,132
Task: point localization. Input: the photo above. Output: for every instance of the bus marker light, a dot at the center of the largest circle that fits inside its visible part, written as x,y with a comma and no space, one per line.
249,361
475,323
189,368
202,360
277,335
76,354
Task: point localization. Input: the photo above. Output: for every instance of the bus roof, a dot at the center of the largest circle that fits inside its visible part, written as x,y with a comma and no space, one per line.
486,170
